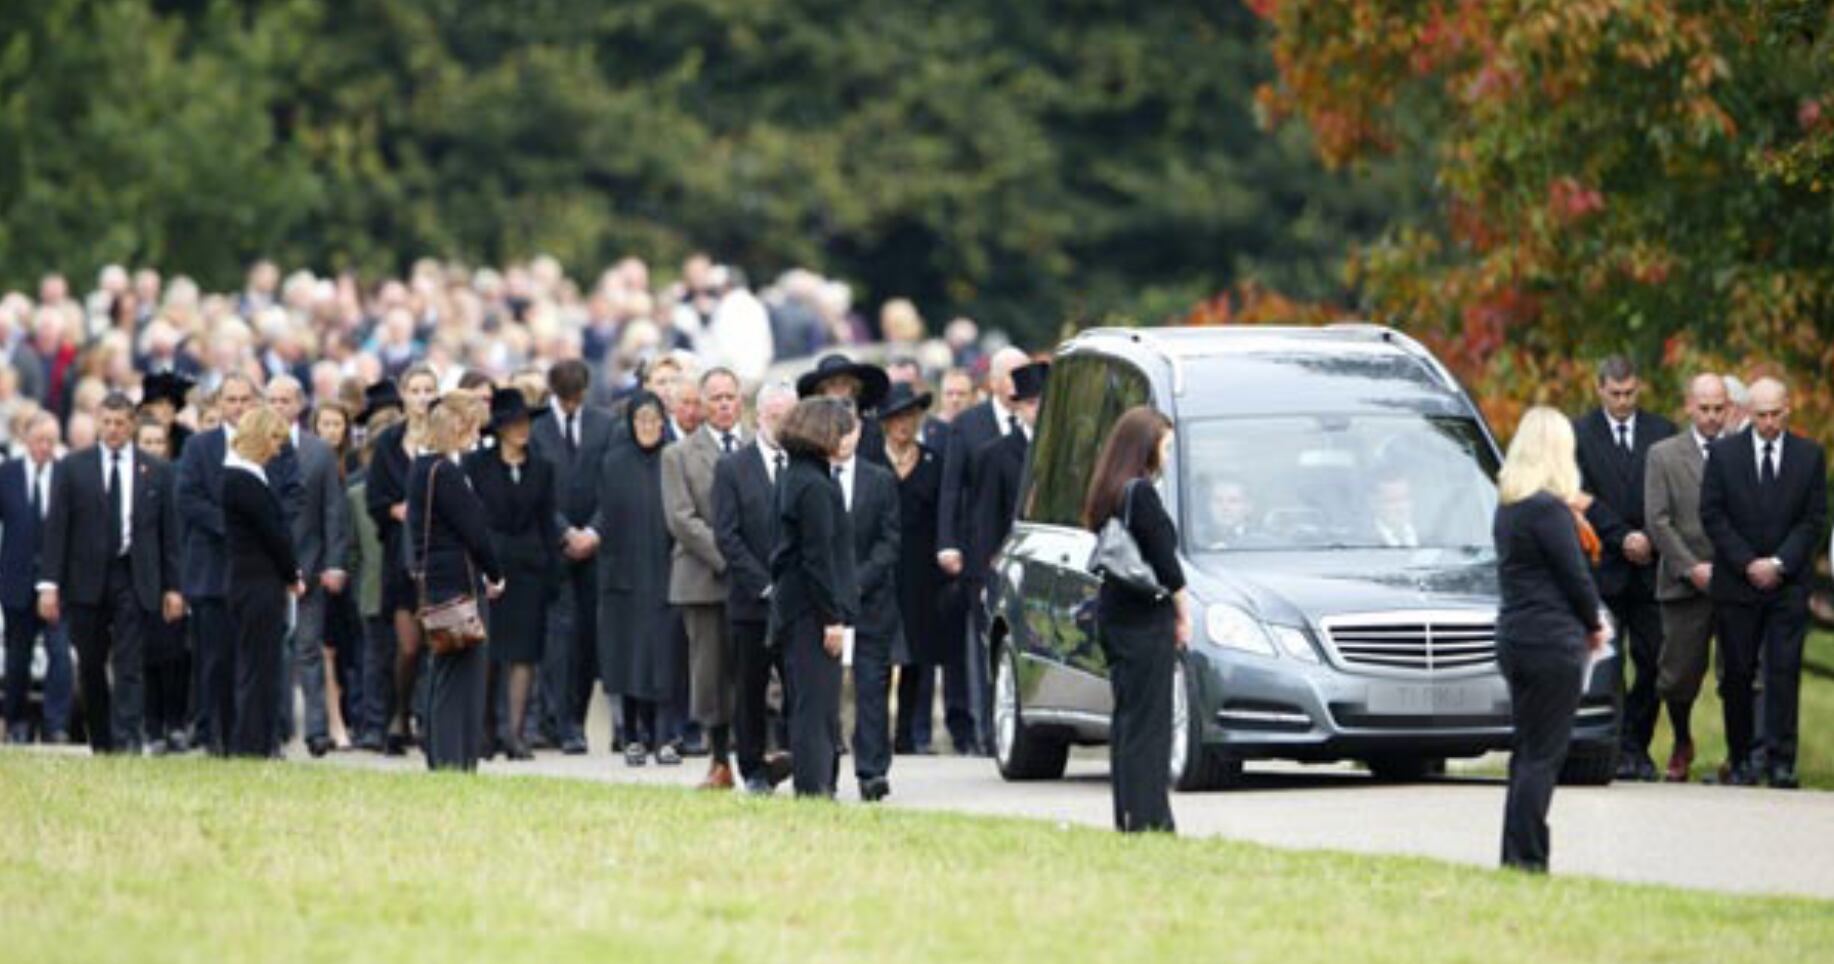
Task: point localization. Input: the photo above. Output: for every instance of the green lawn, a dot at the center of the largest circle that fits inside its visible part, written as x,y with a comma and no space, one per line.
1815,755
155,859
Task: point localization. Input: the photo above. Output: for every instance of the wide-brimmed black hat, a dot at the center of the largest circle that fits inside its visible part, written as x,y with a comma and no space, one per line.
901,398
165,387
1028,381
377,397
873,380
509,406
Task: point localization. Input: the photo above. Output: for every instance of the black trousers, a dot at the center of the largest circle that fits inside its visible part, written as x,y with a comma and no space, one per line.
958,705
455,711
1771,632
22,629
109,637
258,610
814,682
379,647
168,688
214,643
916,706
1140,661
1639,636
570,656
1543,678
754,663
872,694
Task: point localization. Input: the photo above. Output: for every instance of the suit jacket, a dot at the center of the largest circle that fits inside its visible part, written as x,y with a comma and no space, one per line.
1671,504
575,471
75,552
22,533
955,506
321,526
200,510
287,479
812,554
742,527
876,534
998,468
1747,520
261,554
1615,479
697,570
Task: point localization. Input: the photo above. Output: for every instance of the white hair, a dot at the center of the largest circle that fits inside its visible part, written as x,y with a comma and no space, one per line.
1737,391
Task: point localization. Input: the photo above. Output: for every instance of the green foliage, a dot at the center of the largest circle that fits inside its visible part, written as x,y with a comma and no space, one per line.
1025,162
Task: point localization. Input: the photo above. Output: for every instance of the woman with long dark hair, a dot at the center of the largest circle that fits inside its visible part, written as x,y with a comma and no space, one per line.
1142,634
815,596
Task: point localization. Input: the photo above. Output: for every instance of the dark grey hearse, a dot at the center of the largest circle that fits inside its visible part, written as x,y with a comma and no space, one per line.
1334,490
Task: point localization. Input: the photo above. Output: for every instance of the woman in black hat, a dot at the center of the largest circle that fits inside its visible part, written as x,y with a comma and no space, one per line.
920,581
517,491
859,384
162,397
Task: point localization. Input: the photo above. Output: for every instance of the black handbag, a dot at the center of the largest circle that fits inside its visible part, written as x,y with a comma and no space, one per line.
1117,557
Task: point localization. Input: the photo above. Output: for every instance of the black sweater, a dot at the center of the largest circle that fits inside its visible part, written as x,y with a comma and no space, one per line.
812,564
457,542
1157,537
260,548
1546,583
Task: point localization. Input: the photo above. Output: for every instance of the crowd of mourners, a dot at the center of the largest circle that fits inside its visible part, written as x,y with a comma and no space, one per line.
439,513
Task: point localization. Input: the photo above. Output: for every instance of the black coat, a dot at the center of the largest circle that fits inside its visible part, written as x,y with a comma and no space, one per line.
742,526
74,554
812,558
261,556
921,584
200,509
635,619
22,534
876,536
999,466
1747,520
1615,479
1548,596
388,486
453,545
955,518
524,528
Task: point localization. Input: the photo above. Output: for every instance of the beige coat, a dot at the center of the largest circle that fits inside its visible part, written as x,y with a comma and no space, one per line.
697,573
1671,507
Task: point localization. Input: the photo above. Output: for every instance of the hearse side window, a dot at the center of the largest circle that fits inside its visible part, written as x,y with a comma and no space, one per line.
1086,396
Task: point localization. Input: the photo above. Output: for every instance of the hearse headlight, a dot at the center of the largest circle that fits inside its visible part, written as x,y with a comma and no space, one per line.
1232,628
1293,642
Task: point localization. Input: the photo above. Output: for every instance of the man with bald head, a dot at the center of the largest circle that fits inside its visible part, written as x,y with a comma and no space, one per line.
965,680
1671,505
1763,503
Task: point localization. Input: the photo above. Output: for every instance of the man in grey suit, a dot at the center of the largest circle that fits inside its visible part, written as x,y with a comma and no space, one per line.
1671,496
697,573
321,539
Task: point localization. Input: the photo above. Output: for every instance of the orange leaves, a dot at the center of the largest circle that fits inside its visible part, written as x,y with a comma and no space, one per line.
1250,303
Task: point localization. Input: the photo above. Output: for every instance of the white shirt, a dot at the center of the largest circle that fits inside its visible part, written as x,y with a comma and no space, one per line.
1002,416
125,470
847,475
771,454
1702,442
1629,425
1776,452
38,482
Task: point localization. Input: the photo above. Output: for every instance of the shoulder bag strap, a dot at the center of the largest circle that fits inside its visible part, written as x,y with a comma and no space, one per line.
426,537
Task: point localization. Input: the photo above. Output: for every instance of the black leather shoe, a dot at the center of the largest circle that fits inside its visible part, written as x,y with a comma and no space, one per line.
318,746
573,745
396,744
19,734
759,787
694,748
778,767
540,740
58,737
370,742
519,752
874,789
1784,778
178,741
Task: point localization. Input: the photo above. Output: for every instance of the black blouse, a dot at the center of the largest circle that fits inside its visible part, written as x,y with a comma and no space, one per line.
1542,573
1152,528
457,542
812,564
257,539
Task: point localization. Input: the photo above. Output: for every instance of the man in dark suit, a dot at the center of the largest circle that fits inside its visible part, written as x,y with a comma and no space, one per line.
111,554
25,500
205,556
744,517
573,438
1763,502
966,687
321,528
1000,464
870,493
1614,441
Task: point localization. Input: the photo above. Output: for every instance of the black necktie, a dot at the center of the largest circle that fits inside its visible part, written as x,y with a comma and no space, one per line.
38,493
837,473
1767,473
573,433
114,504
1623,437
1012,424
777,461
726,442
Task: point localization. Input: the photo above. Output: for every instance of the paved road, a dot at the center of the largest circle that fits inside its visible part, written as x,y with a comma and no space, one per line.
1739,840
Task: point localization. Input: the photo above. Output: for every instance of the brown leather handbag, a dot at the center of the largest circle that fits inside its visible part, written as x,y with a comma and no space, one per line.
454,625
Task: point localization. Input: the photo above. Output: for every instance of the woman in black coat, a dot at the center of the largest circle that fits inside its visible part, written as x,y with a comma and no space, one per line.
636,624
921,583
517,491
1141,634
387,498
815,596
1547,622
262,570
451,549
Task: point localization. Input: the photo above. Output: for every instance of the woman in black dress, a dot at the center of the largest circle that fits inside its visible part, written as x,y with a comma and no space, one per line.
387,498
920,580
1141,634
262,570
518,495
452,552
330,421
636,623
1548,621
815,596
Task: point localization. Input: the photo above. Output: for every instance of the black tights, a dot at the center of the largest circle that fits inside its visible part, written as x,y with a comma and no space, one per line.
640,721
1679,717
719,738
407,663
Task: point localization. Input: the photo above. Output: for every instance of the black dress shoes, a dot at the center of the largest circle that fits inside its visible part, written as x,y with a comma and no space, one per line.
19,734
759,787
318,746
370,742
1784,778
874,789
396,744
778,767
574,745
519,752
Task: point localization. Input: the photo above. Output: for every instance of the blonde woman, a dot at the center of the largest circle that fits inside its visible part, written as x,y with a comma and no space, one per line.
449,545
262,570
1548,622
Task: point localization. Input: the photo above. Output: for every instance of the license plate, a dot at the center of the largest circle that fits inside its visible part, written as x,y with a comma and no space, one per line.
1403,699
